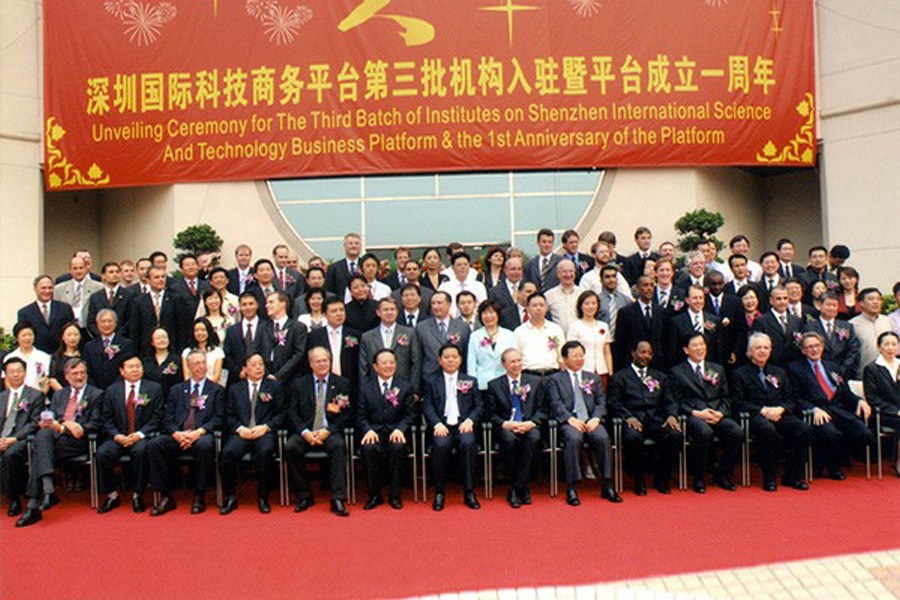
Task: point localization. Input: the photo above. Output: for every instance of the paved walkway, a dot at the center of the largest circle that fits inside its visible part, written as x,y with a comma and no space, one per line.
873,575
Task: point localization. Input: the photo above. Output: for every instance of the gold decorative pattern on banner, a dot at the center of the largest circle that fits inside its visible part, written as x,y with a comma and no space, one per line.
60,172
802,147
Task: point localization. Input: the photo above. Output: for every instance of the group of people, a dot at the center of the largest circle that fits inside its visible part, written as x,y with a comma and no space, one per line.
156,366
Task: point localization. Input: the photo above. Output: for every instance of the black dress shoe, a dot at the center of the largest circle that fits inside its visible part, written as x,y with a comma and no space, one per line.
438,503
164,506
725,484
640,489
572,497
303,505
836,474
395,503
513,498
699,486
263,505
373,502
797,484
199,504
662,488
15,507
137,504
109,504
471,501
30,517
525,494
49,501
230,505
338,508
769,486
609,493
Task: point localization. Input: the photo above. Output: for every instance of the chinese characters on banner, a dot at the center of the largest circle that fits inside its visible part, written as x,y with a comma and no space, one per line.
140,93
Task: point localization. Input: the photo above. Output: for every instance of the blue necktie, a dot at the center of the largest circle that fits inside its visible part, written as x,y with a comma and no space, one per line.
516,402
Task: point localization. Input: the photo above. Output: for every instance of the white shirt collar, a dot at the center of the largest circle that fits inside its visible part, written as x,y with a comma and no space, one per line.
695,365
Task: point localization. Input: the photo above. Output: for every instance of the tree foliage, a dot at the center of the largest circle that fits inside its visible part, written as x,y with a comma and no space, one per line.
696,226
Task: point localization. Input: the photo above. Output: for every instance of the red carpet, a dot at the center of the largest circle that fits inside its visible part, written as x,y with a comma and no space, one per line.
74,552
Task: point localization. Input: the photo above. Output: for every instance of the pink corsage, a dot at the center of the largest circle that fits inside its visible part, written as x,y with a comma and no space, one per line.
587,388
453,338
842,334
170,369
199,402
403,340
552,343
485,342
463,387
393,396
837,378
709,326
280,338
265,397
711,377
342,401
111,351
774,381
22,406
652,384
677,305
142,400
232,309
350,341
523,391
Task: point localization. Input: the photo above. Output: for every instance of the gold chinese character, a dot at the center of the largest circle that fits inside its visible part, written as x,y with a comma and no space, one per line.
461,77
490,75
601,67
685,70
401,79
347,83
546,76
518,78
235,87
98,96
738,74
263,86
414,31
125,93
574,74
180,90
290,85
207,88
433,73
151,92
658,75
376,80
631,75
763,71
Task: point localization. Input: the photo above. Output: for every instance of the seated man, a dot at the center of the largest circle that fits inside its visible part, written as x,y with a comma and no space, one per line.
841,344
20,407
452,408
764,391
817,385
700,391
640,396
318,413
193,411
74,409
254,410
132,410
516,402
577,401
384,417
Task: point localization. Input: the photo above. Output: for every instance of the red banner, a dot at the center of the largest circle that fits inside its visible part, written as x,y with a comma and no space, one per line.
146,92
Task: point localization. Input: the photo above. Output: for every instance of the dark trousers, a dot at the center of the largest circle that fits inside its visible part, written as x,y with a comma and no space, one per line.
600,444
517,451
50,446
163,453
295,453
701,436
788,433
440,453
109,453
383,453
14,469
262,451
827,437
667,441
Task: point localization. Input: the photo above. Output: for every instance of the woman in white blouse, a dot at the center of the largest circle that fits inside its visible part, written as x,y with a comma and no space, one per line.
205,338
314,317
213,305
593,335
37,373
486,345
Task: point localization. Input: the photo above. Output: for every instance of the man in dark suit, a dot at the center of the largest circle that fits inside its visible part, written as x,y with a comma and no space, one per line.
263,282
640,320
103,352
74,409
633,266
740,268
541,269
841,343
764,391
577,401
787,268
452,408
132,411
384,415
342,342
319,411
338,277
817,270
315,279
112,296
397,278
639,395
796,306
517,313
193,410
700,390
583,262
837,414
434,333
290,281
782,328
160,307
281,341
20,405
506,290
242,337
728,309
254,410
47,316
516,404
414,301
695,272
695,319
361,309
240,276
189,286
401,340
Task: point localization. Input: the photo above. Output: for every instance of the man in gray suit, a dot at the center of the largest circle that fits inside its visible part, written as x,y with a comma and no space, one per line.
406,298
399,338
77,291
541,269
611,299
437,331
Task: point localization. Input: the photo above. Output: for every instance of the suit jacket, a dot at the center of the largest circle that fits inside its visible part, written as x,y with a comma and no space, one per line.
103,367
797,270
532,272
376,413
509,317
257,290
841,348
691,393
785,348
682,327
392,280
762,289
622,301
65,292
882,390
121,303
424,304
283,357
68,277
299,305
191,301
47,336
349,358
301,410
498,400
148,415
361,316
808,393
561,396
178,406
633,266
500,293
270,407
632,325
431,340
810,275
88,412
26,421
337,278
631,397
295,282
683,282
731,288
173,317
675,301
407,351
235,350
751,395
434,399
234,280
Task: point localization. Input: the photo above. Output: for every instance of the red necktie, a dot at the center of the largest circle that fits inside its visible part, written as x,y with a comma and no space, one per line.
71,406
193,285
190,422
823,382
525,316
281,280
109,297
131,411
